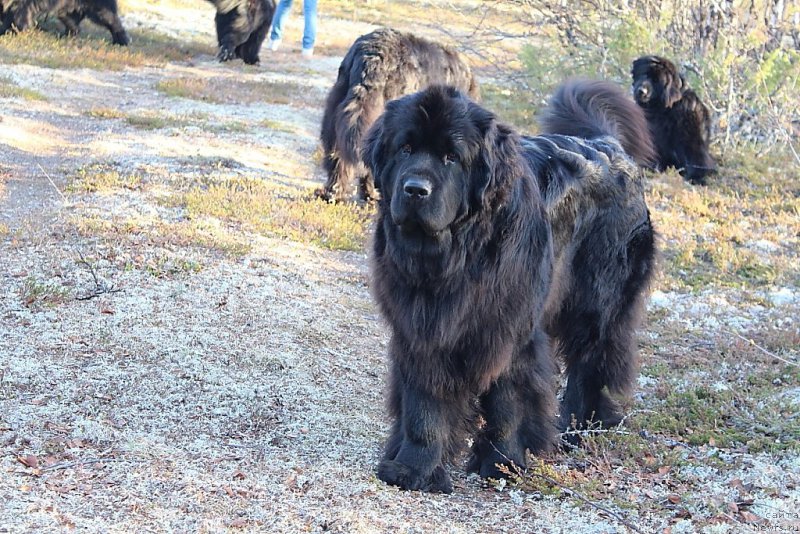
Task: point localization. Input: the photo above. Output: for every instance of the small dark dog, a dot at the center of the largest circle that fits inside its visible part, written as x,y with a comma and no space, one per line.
494,251
379,67
242,26
679,121
18,15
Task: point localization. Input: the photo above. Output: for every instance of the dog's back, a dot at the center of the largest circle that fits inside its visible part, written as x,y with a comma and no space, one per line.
587,167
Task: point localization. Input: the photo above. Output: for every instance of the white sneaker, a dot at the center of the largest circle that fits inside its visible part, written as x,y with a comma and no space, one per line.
307,53
274,44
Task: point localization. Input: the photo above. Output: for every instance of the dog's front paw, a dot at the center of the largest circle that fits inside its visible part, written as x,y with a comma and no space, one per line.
494,466
407,478
226,53
120,38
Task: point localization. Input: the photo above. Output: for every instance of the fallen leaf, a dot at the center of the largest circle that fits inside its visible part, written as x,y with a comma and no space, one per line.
683,513
736,483
674,498
66,488
733,507
29,460
238,523
749,517
56,427
238,475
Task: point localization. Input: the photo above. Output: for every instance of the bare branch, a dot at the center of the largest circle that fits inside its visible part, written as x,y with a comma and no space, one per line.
569,491
100,286
762,349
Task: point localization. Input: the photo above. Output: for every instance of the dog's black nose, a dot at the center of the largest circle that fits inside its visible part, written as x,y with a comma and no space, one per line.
417,187
641,92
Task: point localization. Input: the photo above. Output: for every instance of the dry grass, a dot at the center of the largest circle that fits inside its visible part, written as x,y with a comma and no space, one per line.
93,50
740,232
282,212
152,120
9,89
164,235
102,178
233,91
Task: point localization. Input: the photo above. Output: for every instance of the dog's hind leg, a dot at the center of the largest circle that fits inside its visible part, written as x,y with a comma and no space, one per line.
107,17
249,50
71,22
595,329
338,186
25,16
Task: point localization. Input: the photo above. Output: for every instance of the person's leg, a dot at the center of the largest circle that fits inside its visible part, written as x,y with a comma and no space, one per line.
281,12
310,29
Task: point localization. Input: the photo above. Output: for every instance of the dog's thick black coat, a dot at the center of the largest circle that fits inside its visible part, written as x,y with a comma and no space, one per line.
242,26
18,15
679,121
379,67
494,252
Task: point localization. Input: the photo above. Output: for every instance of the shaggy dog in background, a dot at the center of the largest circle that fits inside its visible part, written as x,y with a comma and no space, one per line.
18,15
379,67
679,121
242,26
491,253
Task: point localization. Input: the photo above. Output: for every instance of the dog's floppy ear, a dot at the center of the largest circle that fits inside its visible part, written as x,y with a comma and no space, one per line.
373,154
499,162
673,86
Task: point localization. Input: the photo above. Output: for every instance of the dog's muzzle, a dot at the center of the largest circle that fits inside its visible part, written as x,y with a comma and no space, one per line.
642,93
417,189
413,205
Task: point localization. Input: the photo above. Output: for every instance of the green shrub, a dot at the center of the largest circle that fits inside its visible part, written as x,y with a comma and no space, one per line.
742,58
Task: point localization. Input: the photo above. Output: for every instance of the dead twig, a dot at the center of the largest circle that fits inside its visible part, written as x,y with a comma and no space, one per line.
67,465
571,492
581,497
616,430
50,179
100,286
762,349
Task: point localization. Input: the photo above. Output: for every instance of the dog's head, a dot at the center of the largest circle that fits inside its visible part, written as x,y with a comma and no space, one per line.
656,82
438,158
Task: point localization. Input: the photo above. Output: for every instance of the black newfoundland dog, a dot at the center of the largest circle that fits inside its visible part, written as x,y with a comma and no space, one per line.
242,26
19,15
679,121
494,252
380,66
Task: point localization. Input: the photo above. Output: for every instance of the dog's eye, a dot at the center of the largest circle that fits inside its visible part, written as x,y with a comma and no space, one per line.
450,158
405,150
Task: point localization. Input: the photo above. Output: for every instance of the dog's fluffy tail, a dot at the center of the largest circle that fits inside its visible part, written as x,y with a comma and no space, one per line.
594,108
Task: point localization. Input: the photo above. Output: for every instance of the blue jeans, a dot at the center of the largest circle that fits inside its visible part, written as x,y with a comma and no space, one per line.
310,14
